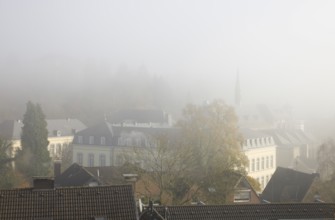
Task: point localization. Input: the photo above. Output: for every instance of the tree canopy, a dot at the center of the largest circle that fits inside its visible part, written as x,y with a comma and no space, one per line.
198,166
7,179
326,160
210,135
34,159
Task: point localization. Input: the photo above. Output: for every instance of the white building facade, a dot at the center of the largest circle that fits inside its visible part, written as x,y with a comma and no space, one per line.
261,151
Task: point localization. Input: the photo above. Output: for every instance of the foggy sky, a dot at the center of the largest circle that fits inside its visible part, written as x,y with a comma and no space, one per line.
284,50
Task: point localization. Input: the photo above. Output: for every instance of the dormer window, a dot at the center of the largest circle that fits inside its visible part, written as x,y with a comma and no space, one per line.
57,133
242,195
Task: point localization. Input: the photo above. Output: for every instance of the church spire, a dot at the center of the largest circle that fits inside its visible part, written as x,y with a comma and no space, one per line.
237,90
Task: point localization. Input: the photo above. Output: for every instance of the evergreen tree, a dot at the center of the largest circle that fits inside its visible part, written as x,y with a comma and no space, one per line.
34,159
7,179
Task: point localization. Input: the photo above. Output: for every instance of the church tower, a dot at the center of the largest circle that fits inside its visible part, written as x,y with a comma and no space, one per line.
237,91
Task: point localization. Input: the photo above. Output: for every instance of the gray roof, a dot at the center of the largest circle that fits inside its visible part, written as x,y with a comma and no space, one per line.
75,203
112,133
250,134
289,137
255,116
241,212
287,185
67,127
140,116
11,129
75,175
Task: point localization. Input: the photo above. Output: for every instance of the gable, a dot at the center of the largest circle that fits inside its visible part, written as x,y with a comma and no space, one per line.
287,185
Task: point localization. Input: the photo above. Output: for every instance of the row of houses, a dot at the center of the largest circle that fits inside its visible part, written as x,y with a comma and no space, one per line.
90,193
286,185
113,143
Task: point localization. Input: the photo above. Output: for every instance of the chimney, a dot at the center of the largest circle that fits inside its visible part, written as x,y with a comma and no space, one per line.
43,183
57,168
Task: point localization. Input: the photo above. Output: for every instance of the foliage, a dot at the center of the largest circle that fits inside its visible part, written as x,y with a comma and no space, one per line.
7,179
210,134
198,163
67,157
254,183
34,159
326,160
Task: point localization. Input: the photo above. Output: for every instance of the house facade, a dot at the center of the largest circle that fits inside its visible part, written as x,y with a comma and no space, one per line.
261,152
111,145
296,149
60,134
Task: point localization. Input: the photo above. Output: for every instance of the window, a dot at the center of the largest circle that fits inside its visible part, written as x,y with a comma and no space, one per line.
267,162
257,164
129,142
52,150
262,163
267,179
90,160
80,139
121,141
102,160
253,165
242,196
138,142
80,158
103,140
91,140
271,161
58,149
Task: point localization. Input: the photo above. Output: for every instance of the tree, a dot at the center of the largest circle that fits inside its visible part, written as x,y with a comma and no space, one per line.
210,135
7,179
326,169
66,158
34,158
201,163
163,171
326,160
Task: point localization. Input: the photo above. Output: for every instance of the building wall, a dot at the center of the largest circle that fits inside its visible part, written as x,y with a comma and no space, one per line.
55,147
57,144
262,161
87,152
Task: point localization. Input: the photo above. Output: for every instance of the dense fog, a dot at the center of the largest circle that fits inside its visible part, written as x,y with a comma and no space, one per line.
86,59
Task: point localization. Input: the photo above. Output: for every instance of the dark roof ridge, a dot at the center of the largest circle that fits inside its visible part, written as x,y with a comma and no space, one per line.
297,171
